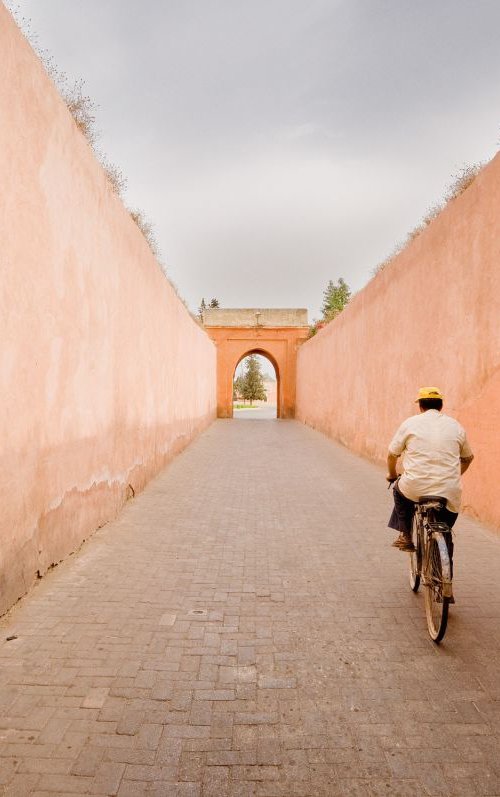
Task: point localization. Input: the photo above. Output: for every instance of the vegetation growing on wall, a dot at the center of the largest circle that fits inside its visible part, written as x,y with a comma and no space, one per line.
147,230
460,182
80,105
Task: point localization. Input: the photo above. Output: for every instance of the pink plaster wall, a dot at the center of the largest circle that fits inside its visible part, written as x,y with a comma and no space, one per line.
104,374
431,317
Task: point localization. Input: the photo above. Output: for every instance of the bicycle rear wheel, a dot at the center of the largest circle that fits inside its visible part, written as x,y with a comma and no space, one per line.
415,557
437,582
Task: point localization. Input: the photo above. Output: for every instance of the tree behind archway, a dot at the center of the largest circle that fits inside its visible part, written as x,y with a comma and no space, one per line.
253,387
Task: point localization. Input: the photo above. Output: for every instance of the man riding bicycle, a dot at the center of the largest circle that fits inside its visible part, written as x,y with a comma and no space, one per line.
436,453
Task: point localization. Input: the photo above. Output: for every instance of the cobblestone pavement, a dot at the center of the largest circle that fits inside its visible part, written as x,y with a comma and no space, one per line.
244,628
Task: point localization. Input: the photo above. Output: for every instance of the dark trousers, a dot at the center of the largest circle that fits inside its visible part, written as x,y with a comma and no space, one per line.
402,516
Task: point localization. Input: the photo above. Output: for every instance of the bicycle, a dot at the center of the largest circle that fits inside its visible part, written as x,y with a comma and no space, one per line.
431,564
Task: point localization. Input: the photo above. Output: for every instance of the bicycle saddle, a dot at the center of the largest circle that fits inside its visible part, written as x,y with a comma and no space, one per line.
432,499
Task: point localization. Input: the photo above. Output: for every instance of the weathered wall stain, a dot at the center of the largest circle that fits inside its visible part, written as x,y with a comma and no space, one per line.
430,317
104,374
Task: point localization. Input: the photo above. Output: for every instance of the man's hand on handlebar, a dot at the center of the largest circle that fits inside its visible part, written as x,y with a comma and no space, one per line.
392,474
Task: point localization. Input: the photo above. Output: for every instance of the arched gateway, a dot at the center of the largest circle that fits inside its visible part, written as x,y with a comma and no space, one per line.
276,334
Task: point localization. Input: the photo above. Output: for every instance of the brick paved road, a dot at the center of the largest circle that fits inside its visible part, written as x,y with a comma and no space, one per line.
245,629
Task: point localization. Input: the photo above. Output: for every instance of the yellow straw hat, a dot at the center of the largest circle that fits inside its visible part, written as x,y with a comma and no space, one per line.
429,393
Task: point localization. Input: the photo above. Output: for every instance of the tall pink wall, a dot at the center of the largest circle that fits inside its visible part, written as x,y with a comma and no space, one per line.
430,317
104,374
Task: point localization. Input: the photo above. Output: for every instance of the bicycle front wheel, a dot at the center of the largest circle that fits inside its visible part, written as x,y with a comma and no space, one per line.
437,581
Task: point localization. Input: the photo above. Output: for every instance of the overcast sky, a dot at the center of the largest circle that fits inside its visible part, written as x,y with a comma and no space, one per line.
277,144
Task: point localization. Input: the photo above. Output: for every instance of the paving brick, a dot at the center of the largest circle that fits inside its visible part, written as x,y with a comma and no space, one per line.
96,697
72,784
229,647
21,785
264,773
191,766
177,790
53,766
245,737
246,655
162,690
8,768
180,700
134,788
226,758
27,749
168,750
216,782
255,718
36,720
54,731
222,725
149,736
144,772
88,761
107,778
270,682
146,678
201,713
187,731
130,755
215,694
130,723
242,789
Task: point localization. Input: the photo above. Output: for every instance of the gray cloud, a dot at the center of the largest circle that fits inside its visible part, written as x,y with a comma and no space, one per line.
276,144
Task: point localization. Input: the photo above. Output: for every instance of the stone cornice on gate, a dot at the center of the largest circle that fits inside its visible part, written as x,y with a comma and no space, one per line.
255,316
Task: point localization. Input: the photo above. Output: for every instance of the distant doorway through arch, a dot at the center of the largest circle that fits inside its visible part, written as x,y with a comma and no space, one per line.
260,408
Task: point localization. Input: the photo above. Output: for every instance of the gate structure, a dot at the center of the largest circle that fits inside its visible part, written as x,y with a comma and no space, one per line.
276,334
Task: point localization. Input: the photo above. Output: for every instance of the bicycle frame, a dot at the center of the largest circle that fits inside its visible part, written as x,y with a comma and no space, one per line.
428,528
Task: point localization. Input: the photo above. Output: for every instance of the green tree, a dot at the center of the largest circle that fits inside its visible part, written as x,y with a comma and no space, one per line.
238,388
202,308
253,383
335,298
214,303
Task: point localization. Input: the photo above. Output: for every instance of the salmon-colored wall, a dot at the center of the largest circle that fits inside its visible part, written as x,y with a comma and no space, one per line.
431,317
104,374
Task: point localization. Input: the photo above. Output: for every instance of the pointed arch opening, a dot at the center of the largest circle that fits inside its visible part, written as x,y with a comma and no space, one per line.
252,404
